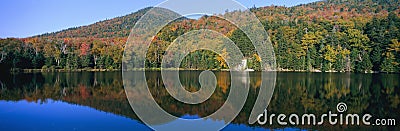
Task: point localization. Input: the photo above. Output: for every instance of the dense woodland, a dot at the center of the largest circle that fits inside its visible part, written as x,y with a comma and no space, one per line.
333,35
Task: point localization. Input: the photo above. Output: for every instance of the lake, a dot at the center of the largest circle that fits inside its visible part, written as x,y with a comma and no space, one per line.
97,100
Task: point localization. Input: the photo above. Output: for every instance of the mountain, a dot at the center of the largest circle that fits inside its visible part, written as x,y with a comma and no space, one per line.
121,26
116,27
331,35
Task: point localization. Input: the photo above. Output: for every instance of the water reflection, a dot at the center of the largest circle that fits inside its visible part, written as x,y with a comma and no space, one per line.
58,115
103,92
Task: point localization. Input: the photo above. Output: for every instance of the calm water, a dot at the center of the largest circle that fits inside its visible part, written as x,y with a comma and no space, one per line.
97,101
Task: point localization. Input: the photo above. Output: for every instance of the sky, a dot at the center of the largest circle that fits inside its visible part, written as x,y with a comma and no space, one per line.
24,18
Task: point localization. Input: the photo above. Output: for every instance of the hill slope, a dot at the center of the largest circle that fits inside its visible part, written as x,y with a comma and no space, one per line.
116,27
332,35
121,26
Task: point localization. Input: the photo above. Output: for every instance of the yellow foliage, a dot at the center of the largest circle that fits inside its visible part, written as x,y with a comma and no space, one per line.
395,46
258,58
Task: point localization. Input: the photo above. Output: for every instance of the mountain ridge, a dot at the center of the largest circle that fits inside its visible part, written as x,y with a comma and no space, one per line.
121,23
120,26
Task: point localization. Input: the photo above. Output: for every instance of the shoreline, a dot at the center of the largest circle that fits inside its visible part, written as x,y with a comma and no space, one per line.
159,69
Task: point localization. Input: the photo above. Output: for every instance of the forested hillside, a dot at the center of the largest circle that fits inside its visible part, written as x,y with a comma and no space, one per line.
333,35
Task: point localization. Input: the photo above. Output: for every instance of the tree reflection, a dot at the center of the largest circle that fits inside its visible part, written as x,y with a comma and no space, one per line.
318,93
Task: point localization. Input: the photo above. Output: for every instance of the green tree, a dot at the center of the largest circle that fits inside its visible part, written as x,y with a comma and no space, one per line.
359,50
309,41
389,64
330,56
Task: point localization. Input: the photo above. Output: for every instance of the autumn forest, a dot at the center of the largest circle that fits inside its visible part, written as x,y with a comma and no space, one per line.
327,36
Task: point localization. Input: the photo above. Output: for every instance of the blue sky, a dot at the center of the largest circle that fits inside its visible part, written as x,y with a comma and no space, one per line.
24,18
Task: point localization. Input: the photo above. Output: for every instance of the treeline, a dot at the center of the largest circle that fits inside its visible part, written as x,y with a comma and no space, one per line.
69,54
321,36
338,45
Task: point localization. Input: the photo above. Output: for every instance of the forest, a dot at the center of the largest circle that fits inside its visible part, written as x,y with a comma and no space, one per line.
327,36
